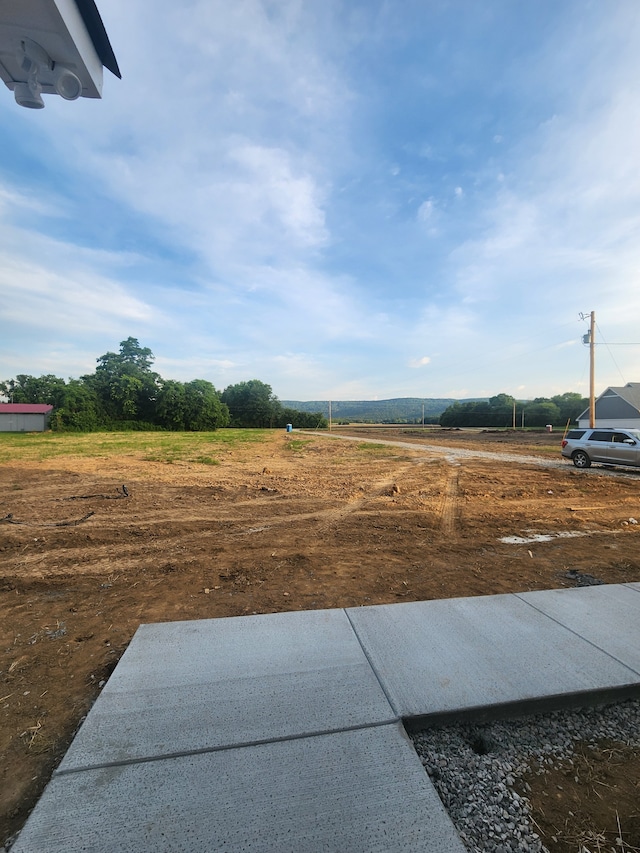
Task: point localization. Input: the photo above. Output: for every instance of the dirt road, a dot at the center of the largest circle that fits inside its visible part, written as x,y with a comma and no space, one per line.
297,522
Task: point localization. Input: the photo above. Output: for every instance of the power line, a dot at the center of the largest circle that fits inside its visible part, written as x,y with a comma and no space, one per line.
611,354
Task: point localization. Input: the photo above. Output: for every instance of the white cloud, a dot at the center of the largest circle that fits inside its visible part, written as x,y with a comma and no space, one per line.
35,296
206,143
419,362
426,210
272,193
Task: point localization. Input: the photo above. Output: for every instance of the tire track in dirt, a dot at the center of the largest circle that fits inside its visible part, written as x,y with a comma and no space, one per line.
449,504
327,517
150,540
378,488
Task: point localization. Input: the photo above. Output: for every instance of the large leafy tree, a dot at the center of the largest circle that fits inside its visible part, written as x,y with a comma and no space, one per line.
78,408
570,405
171,408
541,412
191,406
204,409
124,383
252,404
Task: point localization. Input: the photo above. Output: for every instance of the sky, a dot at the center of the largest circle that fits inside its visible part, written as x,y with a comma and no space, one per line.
345,199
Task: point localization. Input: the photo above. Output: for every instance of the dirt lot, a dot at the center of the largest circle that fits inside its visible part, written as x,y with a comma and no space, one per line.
297,522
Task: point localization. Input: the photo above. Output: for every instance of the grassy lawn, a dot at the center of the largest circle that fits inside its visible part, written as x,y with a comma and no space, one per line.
199,447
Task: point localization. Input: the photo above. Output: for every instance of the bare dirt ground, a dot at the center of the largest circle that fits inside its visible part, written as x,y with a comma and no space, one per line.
298,522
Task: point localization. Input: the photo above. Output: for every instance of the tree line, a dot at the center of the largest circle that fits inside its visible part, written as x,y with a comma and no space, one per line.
125,392
498,411
397,410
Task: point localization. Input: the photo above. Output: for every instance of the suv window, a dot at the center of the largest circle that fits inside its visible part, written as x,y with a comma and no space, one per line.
576,433
620,437
601,435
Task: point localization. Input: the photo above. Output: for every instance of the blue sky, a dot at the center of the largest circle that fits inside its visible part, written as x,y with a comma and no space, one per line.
346,199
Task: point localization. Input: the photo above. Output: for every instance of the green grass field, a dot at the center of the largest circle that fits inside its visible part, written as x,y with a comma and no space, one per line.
202,447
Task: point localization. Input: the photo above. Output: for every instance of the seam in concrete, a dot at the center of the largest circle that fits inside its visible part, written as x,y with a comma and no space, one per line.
629,586
146,759
373,668
575,633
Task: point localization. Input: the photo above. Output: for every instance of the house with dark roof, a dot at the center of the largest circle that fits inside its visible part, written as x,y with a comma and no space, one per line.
616,407
24,417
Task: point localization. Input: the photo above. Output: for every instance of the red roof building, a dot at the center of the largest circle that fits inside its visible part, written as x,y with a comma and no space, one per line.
24,417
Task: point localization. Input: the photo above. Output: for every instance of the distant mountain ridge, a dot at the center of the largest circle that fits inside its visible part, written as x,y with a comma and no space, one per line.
397,410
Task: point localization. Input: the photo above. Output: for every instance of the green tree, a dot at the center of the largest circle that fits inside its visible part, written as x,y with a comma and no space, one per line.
193,406
302,420
495,412
124,383
540,412
171,408
47,389
477,414
78,408
570,405
252,404
204,409
502,409
451,415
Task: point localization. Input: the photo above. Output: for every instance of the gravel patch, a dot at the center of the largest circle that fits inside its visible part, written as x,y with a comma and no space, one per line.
475,767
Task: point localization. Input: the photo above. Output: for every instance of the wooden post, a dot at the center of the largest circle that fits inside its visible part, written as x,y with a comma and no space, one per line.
592,372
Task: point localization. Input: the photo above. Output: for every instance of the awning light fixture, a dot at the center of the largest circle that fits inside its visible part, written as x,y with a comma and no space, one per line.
38,66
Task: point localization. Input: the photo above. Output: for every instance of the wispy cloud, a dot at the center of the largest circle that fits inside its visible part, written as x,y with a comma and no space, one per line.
420,362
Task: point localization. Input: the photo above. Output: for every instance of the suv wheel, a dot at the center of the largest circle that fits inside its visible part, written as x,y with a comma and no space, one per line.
581,460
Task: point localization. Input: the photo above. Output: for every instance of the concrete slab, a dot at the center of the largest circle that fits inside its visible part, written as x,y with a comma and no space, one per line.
450,657
187,686
361,791
607,616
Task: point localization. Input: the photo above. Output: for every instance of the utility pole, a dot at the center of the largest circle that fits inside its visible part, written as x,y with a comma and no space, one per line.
590,338
329,415
514,415
592,371
423,414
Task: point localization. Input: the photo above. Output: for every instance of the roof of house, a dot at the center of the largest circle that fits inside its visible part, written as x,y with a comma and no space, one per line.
25,408
93,22
630,393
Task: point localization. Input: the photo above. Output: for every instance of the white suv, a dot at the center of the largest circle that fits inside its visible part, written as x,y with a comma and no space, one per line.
612,446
